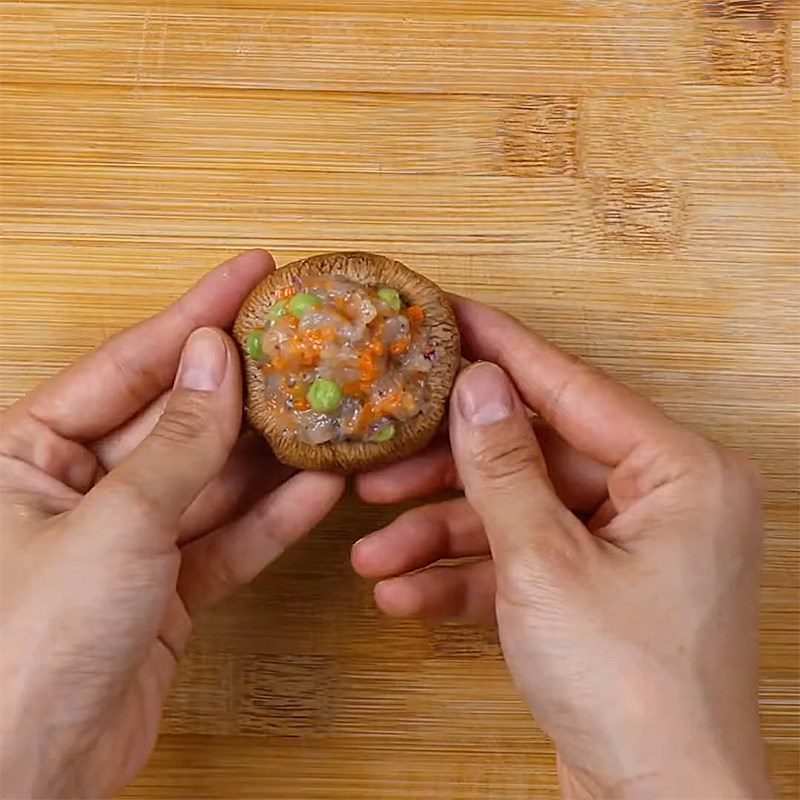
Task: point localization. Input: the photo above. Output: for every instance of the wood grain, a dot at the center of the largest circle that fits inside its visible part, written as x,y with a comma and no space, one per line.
622,175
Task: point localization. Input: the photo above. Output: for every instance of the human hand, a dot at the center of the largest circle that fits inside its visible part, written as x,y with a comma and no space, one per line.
632,636
126,506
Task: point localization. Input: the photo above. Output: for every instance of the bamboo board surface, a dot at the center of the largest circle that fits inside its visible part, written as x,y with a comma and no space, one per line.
621,174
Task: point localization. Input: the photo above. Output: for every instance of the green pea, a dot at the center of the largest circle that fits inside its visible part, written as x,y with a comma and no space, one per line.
303,302
254,345
390,296
324,396
278,310
384,434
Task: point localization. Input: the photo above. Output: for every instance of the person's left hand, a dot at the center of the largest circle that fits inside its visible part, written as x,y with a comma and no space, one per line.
129,500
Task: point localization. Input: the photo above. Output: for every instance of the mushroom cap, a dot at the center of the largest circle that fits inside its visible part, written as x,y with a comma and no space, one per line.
370,270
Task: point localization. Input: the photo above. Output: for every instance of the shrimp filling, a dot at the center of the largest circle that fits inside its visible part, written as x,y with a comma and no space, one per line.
342,361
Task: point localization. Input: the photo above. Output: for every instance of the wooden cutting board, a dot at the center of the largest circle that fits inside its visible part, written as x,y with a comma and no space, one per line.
623,175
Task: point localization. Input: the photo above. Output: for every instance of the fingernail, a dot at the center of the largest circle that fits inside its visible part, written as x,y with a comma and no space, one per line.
483,394
203,362
363,541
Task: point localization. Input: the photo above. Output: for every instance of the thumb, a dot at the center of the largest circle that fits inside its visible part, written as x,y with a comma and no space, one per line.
189,444
504,472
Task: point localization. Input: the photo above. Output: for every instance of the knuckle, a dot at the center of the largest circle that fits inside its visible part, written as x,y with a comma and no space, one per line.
501,460
547,570
707,457
743,480
580,377
564,554
184,422
748,471
415,519
693,455
722,462
222,575
732,478
129,494
138,382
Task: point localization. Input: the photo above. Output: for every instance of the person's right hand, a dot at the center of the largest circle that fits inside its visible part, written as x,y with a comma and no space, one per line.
632,636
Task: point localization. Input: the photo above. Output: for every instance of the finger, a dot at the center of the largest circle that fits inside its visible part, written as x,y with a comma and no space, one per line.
106,387
597,415
146,495
251,472
121,442
504,473
228,558
463,593
420,537
580,481
30,495
28,440
428,473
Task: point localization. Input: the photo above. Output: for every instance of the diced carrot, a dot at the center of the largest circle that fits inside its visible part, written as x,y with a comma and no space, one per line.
319,337
298,395
415,314
377,347
366,365
306,347
391,401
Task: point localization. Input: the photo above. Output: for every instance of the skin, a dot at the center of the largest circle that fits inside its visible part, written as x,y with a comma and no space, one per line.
130,499
617,552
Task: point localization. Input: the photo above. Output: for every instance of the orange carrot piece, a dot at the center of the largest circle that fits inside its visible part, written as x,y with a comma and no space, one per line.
367,368
415,314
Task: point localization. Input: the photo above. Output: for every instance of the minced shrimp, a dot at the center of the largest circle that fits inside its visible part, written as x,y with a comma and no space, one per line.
342,361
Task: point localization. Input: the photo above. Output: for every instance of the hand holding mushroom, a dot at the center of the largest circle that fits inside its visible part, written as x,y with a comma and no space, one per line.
130,501
617,552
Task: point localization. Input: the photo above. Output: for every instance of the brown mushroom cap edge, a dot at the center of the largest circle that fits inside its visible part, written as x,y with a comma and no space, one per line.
367,269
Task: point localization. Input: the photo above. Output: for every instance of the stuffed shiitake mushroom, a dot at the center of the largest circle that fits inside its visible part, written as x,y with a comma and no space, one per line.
349,357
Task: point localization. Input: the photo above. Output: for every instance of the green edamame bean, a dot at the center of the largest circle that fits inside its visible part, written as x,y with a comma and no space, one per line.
324,396
390,296
253,345
384,434
303,302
